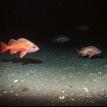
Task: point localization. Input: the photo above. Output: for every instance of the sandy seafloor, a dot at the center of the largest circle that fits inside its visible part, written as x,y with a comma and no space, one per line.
53,76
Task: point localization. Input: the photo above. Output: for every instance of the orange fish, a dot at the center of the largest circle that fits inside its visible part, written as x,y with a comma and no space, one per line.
21,45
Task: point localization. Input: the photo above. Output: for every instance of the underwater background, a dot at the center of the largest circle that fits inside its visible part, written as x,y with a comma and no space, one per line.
54,75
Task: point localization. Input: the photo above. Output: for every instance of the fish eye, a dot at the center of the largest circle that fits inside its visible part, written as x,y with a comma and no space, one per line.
34,47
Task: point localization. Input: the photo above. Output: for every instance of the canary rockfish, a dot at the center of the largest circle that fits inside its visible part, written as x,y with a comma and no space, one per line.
21,45
89,51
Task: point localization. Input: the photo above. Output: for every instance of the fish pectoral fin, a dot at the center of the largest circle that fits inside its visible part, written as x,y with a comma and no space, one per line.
90,52
11,41
22,54
13,52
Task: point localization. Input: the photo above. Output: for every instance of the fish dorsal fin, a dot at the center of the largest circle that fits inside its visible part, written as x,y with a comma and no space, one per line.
22,39
11,41
25,40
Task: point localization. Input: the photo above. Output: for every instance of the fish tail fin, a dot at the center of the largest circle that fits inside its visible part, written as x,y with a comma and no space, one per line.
4,47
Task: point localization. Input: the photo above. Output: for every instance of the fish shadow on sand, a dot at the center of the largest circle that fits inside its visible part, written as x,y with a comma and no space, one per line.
23,61
94,57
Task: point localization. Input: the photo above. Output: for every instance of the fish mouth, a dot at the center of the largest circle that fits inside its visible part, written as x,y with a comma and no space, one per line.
37,48
99,52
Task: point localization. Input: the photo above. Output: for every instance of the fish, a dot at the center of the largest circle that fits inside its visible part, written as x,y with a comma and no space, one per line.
61,39
83,27
21,46
89,51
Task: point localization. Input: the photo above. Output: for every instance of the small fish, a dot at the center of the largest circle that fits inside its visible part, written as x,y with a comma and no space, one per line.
61,39
89,51
21,45
83,27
